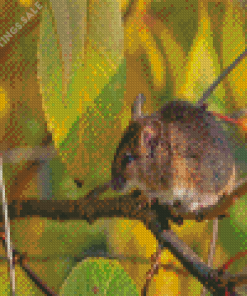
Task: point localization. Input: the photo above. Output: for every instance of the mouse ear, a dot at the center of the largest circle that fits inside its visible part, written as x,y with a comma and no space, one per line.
150,136
136,111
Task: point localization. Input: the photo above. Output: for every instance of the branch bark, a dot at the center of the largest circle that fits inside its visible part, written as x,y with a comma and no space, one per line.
125,206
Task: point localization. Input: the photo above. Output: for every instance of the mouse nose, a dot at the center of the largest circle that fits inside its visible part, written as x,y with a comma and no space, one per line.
118,183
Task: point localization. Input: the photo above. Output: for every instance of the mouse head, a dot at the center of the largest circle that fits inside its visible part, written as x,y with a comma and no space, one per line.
178,155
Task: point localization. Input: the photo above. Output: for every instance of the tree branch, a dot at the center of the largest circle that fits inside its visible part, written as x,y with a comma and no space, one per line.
125,206
134,206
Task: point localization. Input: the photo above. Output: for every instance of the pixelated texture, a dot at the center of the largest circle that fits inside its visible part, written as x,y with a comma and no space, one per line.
68,67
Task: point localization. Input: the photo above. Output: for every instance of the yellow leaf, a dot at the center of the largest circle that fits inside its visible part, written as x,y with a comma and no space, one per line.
145,239
5,108
155,56
194,234
202,67
165,283
129,237
131,40
3,102
138,34
233,44
175,57
29,238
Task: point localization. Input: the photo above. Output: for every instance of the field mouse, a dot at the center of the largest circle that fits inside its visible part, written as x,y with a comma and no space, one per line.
179,154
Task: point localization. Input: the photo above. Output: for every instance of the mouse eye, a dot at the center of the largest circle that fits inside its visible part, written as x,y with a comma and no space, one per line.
127,158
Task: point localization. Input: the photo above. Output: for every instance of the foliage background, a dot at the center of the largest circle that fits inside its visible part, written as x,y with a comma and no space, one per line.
75,69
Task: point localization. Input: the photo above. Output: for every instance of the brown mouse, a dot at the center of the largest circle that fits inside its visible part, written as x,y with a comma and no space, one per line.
179,155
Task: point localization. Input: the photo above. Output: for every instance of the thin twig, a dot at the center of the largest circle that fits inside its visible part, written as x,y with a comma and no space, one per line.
38,282
212,87
212,249
16,155
213,242
152,271
9,249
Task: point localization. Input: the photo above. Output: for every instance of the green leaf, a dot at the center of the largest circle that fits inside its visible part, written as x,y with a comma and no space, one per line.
110,100
238,213
103,55
228,233
98,276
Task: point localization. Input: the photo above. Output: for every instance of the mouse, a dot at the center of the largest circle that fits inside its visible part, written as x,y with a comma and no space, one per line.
178,155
